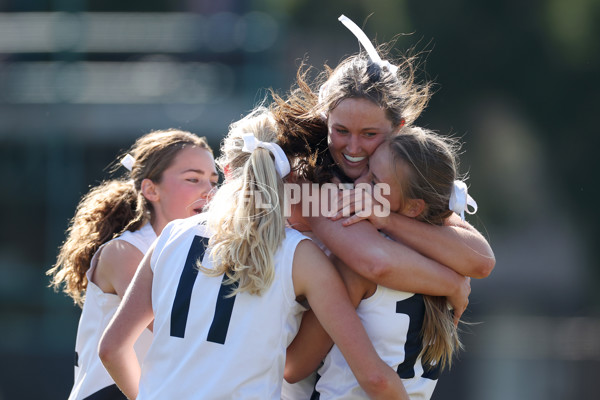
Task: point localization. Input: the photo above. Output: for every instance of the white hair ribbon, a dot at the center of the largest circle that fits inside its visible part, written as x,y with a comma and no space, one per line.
128,161
460,200
364,40
322,94
251,143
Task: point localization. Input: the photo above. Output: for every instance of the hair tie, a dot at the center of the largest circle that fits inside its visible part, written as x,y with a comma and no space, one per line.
460,200
251,143
364,40
322,94
128,161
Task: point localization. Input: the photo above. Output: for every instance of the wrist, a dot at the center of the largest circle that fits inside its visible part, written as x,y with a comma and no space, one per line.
456,284
381,223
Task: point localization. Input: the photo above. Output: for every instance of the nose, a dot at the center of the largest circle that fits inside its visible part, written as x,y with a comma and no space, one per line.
353,145
206,189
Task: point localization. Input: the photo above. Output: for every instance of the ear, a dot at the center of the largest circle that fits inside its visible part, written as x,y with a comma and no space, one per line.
413,208
399,127
149,190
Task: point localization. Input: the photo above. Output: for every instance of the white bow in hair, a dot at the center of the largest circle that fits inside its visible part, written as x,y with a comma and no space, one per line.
364,40
460,200
128,161
251,143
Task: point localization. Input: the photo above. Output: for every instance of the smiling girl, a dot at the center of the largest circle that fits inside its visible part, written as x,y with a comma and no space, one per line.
414,334
340,119
225,290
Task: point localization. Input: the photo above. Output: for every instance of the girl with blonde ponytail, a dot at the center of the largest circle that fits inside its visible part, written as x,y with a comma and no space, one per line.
170,174
225,290
247,218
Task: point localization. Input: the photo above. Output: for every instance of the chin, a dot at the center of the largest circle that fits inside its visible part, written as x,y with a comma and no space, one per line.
353,173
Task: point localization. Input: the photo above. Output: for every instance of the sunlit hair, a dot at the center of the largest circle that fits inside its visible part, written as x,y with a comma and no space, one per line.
245,215
303,114
432,168
429,163
115,206
398,94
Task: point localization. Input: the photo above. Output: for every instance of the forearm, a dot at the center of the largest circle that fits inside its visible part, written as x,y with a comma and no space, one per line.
458,245
116,347
337,315
307,350
123,367
383,261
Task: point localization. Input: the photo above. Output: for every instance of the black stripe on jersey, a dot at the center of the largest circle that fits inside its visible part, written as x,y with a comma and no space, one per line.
316,395
111,392
223,309
76,359
432,372
414,307
181,304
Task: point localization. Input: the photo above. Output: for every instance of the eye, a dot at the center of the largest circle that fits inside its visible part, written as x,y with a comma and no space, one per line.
214,183
193,180
370,134
341,131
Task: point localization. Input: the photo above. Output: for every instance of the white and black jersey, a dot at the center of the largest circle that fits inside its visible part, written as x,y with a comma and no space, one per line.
393,321
92,381
209,344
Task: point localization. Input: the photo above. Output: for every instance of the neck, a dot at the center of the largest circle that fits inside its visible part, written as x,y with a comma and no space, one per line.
296,220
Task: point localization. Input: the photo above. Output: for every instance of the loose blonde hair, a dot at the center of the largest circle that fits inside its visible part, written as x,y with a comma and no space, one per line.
432,165
115,206
245,234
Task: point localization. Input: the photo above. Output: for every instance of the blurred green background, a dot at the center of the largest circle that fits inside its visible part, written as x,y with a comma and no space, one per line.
518,81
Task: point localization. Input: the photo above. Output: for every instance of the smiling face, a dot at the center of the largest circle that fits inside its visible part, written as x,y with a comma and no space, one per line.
356,128
185,186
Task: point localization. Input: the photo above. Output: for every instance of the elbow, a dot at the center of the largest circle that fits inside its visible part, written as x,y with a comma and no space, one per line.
107,350
376,384
292,373
104,352
373,264
376,267
484,267
290,376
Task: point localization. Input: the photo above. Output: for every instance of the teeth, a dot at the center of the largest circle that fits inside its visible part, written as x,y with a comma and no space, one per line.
353,159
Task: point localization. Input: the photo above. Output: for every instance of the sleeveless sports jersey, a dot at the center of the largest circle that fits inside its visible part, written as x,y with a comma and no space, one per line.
302,390
207,344
393,321
91,379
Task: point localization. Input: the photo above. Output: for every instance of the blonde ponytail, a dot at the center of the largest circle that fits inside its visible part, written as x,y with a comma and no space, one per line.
432,163
245,215
440,336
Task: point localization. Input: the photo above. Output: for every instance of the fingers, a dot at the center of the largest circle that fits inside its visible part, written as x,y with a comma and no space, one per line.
359,202
460,301
353,219
457,316
458,312
344,206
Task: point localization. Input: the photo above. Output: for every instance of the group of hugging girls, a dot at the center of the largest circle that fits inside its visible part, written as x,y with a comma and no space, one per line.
191,289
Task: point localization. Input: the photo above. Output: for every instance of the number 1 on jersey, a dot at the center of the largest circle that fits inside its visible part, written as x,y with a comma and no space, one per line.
181,304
